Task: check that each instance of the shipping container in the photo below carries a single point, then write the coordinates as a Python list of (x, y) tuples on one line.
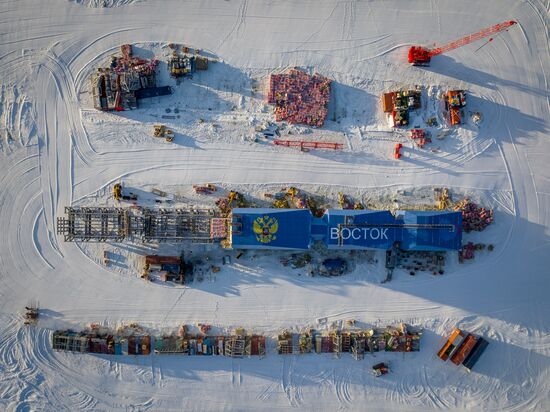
[(452, 344), (476, 352), (464, 350)]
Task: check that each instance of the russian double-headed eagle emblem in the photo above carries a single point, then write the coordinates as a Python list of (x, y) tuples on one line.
[(265, 228)]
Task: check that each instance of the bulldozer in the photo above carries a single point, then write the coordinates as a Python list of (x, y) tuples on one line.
[(117, 191), (161, 131)]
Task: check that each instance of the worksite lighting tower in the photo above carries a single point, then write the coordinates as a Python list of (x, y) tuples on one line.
[(420, 56)]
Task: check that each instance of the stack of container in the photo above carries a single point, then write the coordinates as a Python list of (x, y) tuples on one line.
[(299, 97)]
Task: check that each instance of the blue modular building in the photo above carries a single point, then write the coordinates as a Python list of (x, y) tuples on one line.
[(296, 229)]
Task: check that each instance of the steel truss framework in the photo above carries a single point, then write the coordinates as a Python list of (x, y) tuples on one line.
[(115, 224)]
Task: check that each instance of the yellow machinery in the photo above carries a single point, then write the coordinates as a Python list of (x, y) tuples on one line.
[(232, 196), (161, 131), (179, 66), (280, 203), (292, 192), (117, 191), (443, 199), (345, 201)]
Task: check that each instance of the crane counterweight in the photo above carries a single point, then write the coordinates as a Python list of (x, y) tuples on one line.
[(421, 56)]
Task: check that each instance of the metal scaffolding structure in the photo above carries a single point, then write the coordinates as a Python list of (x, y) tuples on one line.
[(176, 225), (114, 224)]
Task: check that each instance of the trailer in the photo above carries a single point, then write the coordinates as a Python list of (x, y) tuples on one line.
[(464, 349), (475, 354), (452, 344)]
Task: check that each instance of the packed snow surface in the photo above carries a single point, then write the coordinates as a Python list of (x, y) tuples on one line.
[(56, 150)]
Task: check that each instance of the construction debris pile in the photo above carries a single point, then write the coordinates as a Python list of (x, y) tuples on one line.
[(474, 217), (127, 79), (96, 339), (299, 97), (356, 342)]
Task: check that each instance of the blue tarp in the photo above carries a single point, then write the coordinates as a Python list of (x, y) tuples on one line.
[(346, 229)]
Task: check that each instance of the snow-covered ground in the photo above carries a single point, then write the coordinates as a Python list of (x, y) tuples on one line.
[(55, 150)]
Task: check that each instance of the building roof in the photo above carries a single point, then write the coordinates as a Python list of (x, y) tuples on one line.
[(271, 228), (363, 229), (346, 229)]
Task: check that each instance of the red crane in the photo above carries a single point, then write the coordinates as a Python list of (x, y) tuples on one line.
[(420, 56)]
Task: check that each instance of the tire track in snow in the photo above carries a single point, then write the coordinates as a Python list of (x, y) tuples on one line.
[(341, 389), (292, 393), (239, 23), (321, 27)]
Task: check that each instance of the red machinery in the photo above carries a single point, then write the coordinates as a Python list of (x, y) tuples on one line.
[(397, 150), (420, 56), (421, 137), (456, 100), (309, 145)]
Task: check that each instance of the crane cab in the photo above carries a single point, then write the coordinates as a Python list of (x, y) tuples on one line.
[(419, 56)]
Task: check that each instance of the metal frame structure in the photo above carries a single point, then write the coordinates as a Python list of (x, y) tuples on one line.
[(114, 224), (177, 225), (96, 224)]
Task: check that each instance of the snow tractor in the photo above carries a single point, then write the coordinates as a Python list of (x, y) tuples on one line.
[(380, 369)]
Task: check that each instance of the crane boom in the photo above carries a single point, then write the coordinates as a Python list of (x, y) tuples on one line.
[(419, 55), (472, 37)]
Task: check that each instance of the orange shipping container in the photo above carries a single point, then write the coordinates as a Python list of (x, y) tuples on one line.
[(387, 102), (464, 349)]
